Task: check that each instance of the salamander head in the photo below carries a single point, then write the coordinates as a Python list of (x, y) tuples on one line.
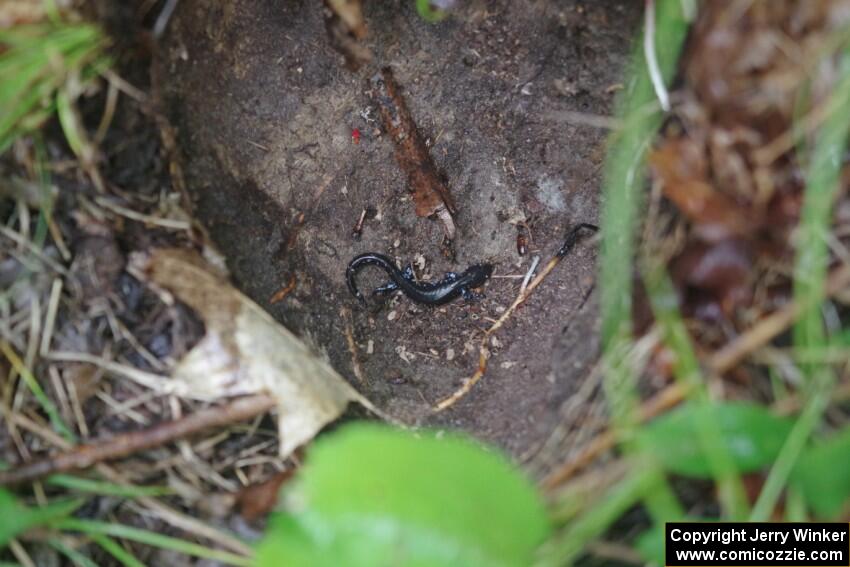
[(478, 274)]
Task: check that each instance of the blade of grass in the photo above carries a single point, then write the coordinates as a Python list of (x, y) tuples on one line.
[(90, 527), (823, 184), (72, 554), (46, 404), (104, 488), (795, 507), (625, 171), (686, 369), (565, 548), (623, 183), (46, 200), (18, 518), (111, 547), (39, 61), (69, 120)]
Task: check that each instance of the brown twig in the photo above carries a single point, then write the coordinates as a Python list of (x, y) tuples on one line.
[(345, 313), (84, 456), (164, 512), (771, 326), (281, 294), (605, 441), (525, 292), (430, 194), (168, 137)]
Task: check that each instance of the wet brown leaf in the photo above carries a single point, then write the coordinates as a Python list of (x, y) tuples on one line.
[(680, 166), (258, 500), (719, 273)]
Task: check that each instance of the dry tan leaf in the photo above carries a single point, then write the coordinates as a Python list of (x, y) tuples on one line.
[(346, 29), (245, 351), (351, 13), (20, 12)]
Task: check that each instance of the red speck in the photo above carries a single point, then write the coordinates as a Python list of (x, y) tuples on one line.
[(355, 135)]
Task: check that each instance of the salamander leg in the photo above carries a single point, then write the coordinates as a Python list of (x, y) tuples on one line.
[(470, 295), (407, 273), (385, 289)]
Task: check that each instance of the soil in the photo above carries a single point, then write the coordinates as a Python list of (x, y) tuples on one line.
[(265, 110)]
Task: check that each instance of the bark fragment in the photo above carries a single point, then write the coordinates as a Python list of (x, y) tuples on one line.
[(430, 194)]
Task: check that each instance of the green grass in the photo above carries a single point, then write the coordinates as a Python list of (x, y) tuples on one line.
[(592, 524), (57, 516), (623, 191), (44, 69), (103, 488), (94, 528), (686, 370), (41, 72), (38, 393), (623, 187), (120, 554), (42, 65), (76, 557), (823, 183)]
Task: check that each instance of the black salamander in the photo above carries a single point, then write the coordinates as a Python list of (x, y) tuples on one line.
[(451, 286)]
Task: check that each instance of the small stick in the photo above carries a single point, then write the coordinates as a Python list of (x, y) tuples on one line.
[(281, 294), (50, 318), (345, 313), (33, 249), (430, 194), (530, 273), (155, 382), (605, 441), (358, 228), (122, 445), (483, 352), (164, 512), (175, 224), (771, 326)]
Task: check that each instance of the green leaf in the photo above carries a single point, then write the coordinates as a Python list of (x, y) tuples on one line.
[(18, 518), (749, 433), (650, 545), (39, 61), (822, 475), (428, 12), (374, 496)]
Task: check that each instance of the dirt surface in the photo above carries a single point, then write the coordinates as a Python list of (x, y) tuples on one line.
[(265, 111)]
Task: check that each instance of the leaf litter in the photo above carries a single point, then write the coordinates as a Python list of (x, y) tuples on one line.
[(244, 351)]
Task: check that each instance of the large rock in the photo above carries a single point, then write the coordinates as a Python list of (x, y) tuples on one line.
[(265, 110)]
